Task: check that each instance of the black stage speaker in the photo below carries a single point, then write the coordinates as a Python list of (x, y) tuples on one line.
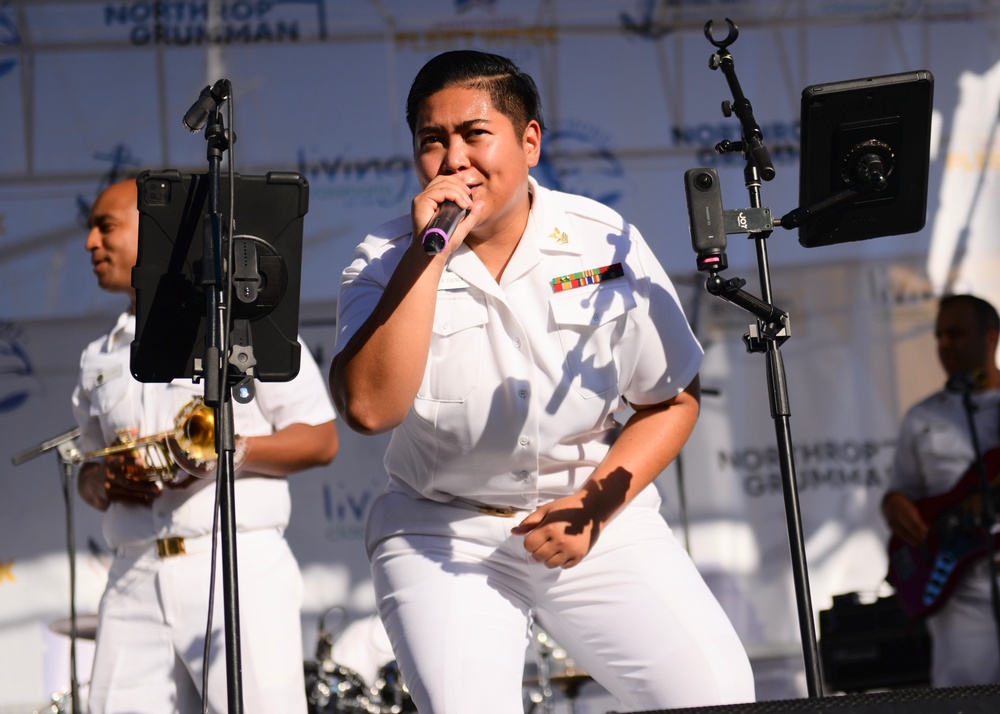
[(947, 700), (872, 645)]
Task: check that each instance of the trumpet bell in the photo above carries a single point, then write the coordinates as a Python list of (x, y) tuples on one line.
[(194, 430), (192, 445)]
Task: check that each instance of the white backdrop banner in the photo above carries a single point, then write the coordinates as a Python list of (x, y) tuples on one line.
[(92, 90), (965, 251)]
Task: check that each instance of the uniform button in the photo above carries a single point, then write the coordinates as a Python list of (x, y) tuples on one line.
[(526, 497), (522, 393), (523, 476), (517, 343), (595, 319), (524, 441)]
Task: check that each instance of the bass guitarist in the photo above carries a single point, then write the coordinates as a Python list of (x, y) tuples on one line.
[(936, 462)]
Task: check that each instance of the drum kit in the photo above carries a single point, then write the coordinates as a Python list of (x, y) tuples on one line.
[(552, 669), (334, 689)]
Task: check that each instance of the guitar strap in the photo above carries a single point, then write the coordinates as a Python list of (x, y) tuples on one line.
[(996, 407), (992, 405)]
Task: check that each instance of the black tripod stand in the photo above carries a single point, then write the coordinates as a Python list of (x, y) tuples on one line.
[(218, 291), (863, 174), (215, 369), (709, 225), (199, 302)]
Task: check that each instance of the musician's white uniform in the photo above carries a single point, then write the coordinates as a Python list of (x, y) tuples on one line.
[(153, 614), (934, 451)]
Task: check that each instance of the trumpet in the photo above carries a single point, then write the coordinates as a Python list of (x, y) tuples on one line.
[(190, 444)]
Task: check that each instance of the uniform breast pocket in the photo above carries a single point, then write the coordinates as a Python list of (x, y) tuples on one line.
[(590, 322), (457, 349), (108, 386)]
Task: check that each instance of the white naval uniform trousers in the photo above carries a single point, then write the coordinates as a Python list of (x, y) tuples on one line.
[(152, 622), (635, 614)]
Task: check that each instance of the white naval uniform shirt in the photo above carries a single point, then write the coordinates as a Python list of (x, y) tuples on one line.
[(935, 446), (517, 400), (108, 398)]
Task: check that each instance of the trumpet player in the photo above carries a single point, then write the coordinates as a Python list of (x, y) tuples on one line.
[(158, 521)]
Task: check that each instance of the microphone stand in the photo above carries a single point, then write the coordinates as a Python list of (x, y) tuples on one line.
[(214, 370), (772, 329), (988, 508), (64, 445)]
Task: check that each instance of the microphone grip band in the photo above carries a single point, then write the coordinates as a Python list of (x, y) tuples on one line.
[(441, 228), (434, 241)]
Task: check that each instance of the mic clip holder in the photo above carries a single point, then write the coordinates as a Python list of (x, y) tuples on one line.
[(219, 137)]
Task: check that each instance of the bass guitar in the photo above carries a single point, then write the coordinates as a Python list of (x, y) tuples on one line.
[(925, 575)]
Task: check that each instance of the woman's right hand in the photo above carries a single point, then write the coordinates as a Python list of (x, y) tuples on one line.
[(425, 204)]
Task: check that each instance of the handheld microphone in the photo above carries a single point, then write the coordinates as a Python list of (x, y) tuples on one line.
[(442, 226)]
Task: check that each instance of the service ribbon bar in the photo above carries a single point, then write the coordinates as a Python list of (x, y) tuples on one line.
[(587, 277)]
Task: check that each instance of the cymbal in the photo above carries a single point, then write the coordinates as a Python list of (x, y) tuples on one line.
[(563, 678), (86, 627)]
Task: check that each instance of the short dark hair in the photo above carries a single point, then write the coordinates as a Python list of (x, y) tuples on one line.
[(986, 315), (512, 92)]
